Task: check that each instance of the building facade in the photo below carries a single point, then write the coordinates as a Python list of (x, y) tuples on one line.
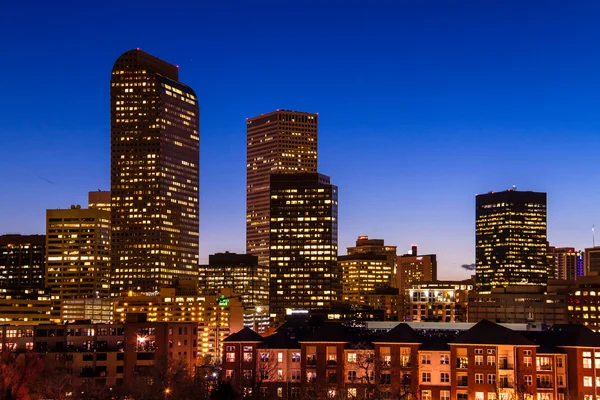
[(511, 240), (99, 200), (154, 174), (440, 301), (592, 260), (540, 307), (103, 358), (413, 268), (278, 142), (241, 273), (215, 316), (78, 255), (485, 362), (368, 266), (304, 243), (22, 265), (564, 262)]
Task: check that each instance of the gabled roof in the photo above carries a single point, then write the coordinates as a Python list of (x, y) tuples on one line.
[(566, 335), (402, 333), (245, 335), (279, 341), (486, 332), (435, 343), (330, 332)]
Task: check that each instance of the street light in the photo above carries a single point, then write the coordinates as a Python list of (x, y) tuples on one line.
[(167, 391)]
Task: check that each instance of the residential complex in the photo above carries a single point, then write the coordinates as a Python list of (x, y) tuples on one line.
[(104, 357), (487, 361), (154, 176)]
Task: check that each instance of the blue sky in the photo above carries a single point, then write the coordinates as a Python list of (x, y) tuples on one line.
[(422, 105)]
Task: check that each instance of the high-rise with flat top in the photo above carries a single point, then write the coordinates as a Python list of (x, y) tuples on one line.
[(510, 241), (78, 255), (278, 142), (154, 174), (303, 265)]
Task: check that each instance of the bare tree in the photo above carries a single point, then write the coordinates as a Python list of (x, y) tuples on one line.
[(18, 373), (169, 379), (53, 384), (266, 372)]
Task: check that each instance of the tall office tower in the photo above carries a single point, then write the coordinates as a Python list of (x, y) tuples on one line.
[(154, 174), (241, 273), (368, 266), (563, 263), (510, 238), (99, 200), (592, 260), (279, 142), (304, 240), (77, 254), (22, 265)]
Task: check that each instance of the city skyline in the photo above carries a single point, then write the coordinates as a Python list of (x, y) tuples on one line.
[(482, 106)]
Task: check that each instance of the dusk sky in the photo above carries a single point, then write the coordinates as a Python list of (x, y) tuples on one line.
[(421, 104)]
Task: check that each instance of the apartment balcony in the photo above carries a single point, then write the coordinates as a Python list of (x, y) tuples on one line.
[(331, 363), (311, 360), (544, 367), (505, 385), (462, 382), (505, 365), (544, 385)]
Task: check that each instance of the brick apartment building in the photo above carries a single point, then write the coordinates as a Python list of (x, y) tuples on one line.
[(105, 356), (485, 362)]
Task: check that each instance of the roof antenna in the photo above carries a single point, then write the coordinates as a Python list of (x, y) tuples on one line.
[(593, 236)]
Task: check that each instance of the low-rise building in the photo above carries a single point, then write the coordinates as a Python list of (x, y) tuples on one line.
[(441, 301), (486, 361), (216, 316), (104, 356)]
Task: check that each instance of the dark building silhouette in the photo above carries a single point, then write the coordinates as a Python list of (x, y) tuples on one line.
[(154, 174), (511, 246), (22, 265), (278, 142), (304, 243)]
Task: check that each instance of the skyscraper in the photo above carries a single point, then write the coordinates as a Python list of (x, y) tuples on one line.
[(303, 256), (510, 241), (78, 255), (154, 174), (278, 142)]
